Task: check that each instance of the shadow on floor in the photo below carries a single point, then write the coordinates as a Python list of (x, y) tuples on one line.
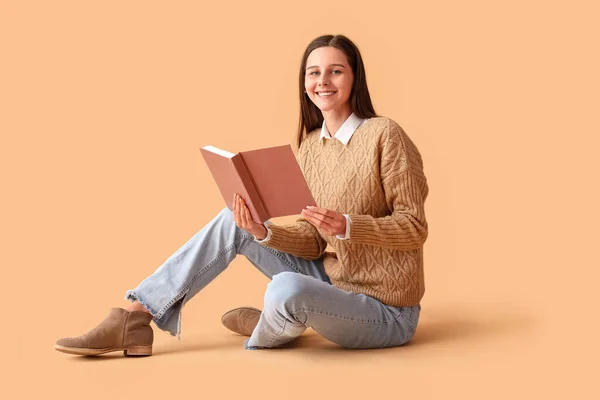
[(439, 326)]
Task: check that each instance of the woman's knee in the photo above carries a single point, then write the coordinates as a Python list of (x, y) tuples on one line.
[(226, 213), (289, 289), (227, 218)]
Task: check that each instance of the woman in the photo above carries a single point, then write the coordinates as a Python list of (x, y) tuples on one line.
[(367, 177)]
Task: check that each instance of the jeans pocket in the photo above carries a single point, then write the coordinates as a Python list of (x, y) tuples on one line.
[(409, 318)]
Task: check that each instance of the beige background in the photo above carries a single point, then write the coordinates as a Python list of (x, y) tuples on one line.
[(103, 106)]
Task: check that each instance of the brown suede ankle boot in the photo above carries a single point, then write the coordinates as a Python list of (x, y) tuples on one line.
[(122, 330), (241, 320)]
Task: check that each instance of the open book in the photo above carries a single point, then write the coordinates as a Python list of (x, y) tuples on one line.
[(269, 180)]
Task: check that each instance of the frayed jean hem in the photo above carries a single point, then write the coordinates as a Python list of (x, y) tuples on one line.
[(132, 296)]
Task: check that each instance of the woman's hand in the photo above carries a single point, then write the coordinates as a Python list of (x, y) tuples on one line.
[(329, 222), (243, 219)]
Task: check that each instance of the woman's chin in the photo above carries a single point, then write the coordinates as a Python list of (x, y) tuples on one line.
[(325, 107)]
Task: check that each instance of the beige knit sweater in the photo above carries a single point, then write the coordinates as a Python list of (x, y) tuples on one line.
[(378, 179)]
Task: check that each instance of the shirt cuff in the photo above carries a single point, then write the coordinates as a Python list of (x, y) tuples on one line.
[(269, 233), (348, 224)]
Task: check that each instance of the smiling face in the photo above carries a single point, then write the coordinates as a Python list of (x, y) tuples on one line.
[(328, 79)]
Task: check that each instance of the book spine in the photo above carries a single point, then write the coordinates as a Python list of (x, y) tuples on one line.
[(248, 182)]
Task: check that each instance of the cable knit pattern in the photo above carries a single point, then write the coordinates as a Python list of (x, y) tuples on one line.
[(378, 180)]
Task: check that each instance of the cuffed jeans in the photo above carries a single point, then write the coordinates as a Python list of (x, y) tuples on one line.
[(300, 294)]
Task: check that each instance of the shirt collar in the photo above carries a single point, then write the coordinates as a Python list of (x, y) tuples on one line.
[(346, 130)]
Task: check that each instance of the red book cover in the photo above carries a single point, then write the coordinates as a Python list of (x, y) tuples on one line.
[(269, 180)]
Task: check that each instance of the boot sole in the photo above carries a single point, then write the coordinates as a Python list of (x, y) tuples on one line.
[(127, 351)]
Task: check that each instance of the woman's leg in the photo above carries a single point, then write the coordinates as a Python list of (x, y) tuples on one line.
[(294, 302), (162, 295), (203, 258)]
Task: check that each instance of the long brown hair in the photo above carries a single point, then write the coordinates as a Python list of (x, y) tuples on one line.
[(311, 117)]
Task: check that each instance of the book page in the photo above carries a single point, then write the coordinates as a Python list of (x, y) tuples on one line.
[(219, 151)]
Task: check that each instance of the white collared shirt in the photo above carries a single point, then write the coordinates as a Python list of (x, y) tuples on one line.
[(343, 134), (346, 130)]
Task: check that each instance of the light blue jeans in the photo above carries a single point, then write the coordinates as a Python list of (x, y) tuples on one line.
[(300, 294)]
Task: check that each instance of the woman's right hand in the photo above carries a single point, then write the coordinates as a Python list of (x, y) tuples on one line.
[(243, 218)]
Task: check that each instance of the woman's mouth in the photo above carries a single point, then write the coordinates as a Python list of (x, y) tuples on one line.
[(325, 94)]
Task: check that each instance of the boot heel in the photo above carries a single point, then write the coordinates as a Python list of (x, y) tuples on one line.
[(138, 351)]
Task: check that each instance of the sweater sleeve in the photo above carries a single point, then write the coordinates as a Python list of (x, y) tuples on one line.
[(405, 188), (300, 239)]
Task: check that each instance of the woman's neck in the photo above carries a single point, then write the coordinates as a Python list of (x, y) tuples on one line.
[(334, 119)]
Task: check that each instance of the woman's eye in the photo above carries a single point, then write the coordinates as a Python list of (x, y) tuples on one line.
[(335, 71)]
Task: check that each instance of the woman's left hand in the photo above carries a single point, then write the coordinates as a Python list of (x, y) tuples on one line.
[(329, 222)]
